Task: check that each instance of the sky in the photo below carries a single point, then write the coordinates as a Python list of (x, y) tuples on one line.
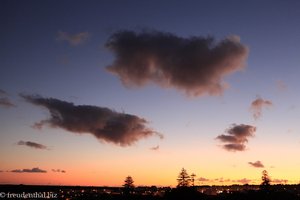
[(94, 91)]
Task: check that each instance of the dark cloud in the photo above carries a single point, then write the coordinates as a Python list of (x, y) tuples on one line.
[(73, 39), (105, 124), (237, 136), (257, 105), (32, 144), (33, 170), (257, 164), (235, 147), (58, 170), (194, 65)]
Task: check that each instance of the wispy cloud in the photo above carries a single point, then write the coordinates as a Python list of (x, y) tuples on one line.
[(155, 148), (257, 164), (225, 180), (103, 123), (33, 170), (236, 136), (194, 65), (243, 181), (202, 179), (2, 92), (281, 85), (58, 170), (279, 181), (32, 144), (222, 180), (257, 106), (73, 39), (4, 100), (64, 60)]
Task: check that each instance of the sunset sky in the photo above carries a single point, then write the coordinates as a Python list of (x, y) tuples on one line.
[(94, 91)]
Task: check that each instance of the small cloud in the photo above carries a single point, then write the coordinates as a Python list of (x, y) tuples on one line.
[(4, 100), (103, 123), (39, 125), (222, 180), (155, 148), (195, 65), (64, 60), (58, 170), (279, 181), (161, 136), (202, 179), (236, 137), (257, 106), (33, 170), (2, 92), (243, 181), (234, 147), (32, 144), (73, 39), (289, 131), (257, 164), (281, 86)]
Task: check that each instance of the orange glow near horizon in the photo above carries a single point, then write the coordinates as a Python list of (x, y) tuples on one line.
[(147, 167), (82, 178)]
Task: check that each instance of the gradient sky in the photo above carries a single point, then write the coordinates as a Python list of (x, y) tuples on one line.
[(57, 50)]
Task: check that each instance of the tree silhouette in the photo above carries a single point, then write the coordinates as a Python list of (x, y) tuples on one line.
[(183, 179), (193, 179), (128, 185), (265, 184)]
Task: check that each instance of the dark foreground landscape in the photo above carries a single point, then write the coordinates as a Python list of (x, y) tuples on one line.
[(234, 192)]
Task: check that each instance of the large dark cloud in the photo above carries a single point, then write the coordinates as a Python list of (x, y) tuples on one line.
[(32, 144), (257, 164), (236, 137), (105, 124), (257, 106), (33, 170), (194, 65)]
